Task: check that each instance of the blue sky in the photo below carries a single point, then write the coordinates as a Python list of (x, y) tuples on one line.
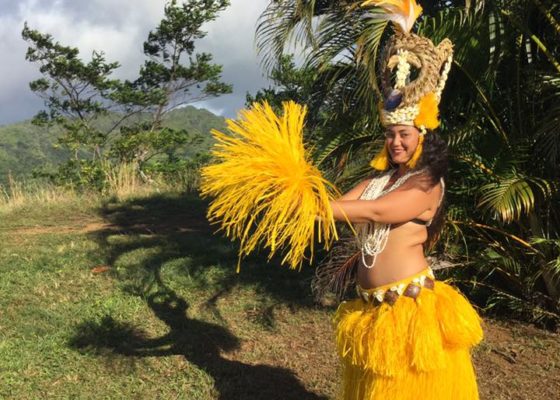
[(119, 28)]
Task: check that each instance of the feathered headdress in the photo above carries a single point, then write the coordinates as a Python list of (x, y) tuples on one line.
[(413, 74)]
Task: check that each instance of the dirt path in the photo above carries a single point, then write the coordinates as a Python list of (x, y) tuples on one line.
[(81, 227)]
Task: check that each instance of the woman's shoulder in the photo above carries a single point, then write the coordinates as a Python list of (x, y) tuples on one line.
[(423, 182)]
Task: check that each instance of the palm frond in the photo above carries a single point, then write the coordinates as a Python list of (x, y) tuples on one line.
[(288, 22), (336, 273), (551, 248), (278, 26), (336, 143), (547, 135), (513, 196), (517, 21), (547, 12)]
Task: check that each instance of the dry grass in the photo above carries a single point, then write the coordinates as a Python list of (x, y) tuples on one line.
[(123, 182), (17, 194)]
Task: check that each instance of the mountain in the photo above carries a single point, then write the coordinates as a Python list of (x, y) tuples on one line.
[(25, 147)]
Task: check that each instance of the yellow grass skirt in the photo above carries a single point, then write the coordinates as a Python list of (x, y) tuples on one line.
[(415, 349)]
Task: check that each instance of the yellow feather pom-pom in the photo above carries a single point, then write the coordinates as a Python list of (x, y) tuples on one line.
[(428, 112), (265, 190)]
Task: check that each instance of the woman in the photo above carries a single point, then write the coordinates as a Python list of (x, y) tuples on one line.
[(407, 336)]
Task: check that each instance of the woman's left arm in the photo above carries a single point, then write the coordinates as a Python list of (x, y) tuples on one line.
[(395, 207)]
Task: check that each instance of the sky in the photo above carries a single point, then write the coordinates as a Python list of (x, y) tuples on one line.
[(119, 28)]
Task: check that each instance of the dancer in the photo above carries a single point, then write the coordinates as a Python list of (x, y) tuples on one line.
[(406, 336)]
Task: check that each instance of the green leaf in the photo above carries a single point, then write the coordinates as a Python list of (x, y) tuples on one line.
[(512, 196)]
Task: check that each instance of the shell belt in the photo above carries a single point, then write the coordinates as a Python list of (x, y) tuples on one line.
[(391, 294)]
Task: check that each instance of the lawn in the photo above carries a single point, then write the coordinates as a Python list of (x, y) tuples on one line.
[(138, 299)]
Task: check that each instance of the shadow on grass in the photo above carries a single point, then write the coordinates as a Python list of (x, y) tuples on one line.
[(200, 343), (172, 229)]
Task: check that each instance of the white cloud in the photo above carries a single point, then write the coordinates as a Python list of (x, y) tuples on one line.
[(119, 31)]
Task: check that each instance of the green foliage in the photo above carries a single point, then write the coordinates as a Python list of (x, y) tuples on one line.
[(139, 143), (80, 95), (81, 174), (508, 199), (27, 150), (290, 83), (173, 40), (25, 147)]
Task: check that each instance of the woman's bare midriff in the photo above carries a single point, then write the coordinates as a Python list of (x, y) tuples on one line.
[(402, 257)]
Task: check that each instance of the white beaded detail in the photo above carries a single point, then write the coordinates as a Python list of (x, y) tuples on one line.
[(403, 69), (407, 115), (399, 288), (401, 116), (431, 273), (444, 75), (379, 294)]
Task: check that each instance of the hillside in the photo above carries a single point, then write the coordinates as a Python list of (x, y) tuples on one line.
[(25, 147)]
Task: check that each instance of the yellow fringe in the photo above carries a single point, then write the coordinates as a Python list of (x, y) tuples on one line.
[(417, 152), (381, 160), (265, 190), (413, 349), (459, 322)]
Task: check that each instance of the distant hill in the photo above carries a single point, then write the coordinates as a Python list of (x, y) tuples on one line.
[(25, 147)]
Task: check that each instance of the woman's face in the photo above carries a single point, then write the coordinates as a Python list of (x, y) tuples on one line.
[(401, 141)]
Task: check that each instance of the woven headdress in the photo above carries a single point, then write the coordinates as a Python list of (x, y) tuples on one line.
[(413, 73)]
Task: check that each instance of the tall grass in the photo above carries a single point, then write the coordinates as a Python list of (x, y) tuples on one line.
[(122, 182), (125, 180), (20, 193)]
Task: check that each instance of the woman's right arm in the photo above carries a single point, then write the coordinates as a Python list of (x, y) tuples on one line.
[(356, 191)]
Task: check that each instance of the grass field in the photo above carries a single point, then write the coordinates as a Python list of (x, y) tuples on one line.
[(137, 299)]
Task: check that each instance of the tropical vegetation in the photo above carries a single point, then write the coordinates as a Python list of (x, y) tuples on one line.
[(28, 150)]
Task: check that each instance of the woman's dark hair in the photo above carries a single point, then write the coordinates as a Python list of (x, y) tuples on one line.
[(434, 157), (434, 160)]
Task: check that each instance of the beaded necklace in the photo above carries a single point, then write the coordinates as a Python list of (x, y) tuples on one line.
[(372, 237)]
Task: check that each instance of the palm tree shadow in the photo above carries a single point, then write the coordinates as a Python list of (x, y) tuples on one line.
[(201, 343), (170, 229), (175, 228)]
